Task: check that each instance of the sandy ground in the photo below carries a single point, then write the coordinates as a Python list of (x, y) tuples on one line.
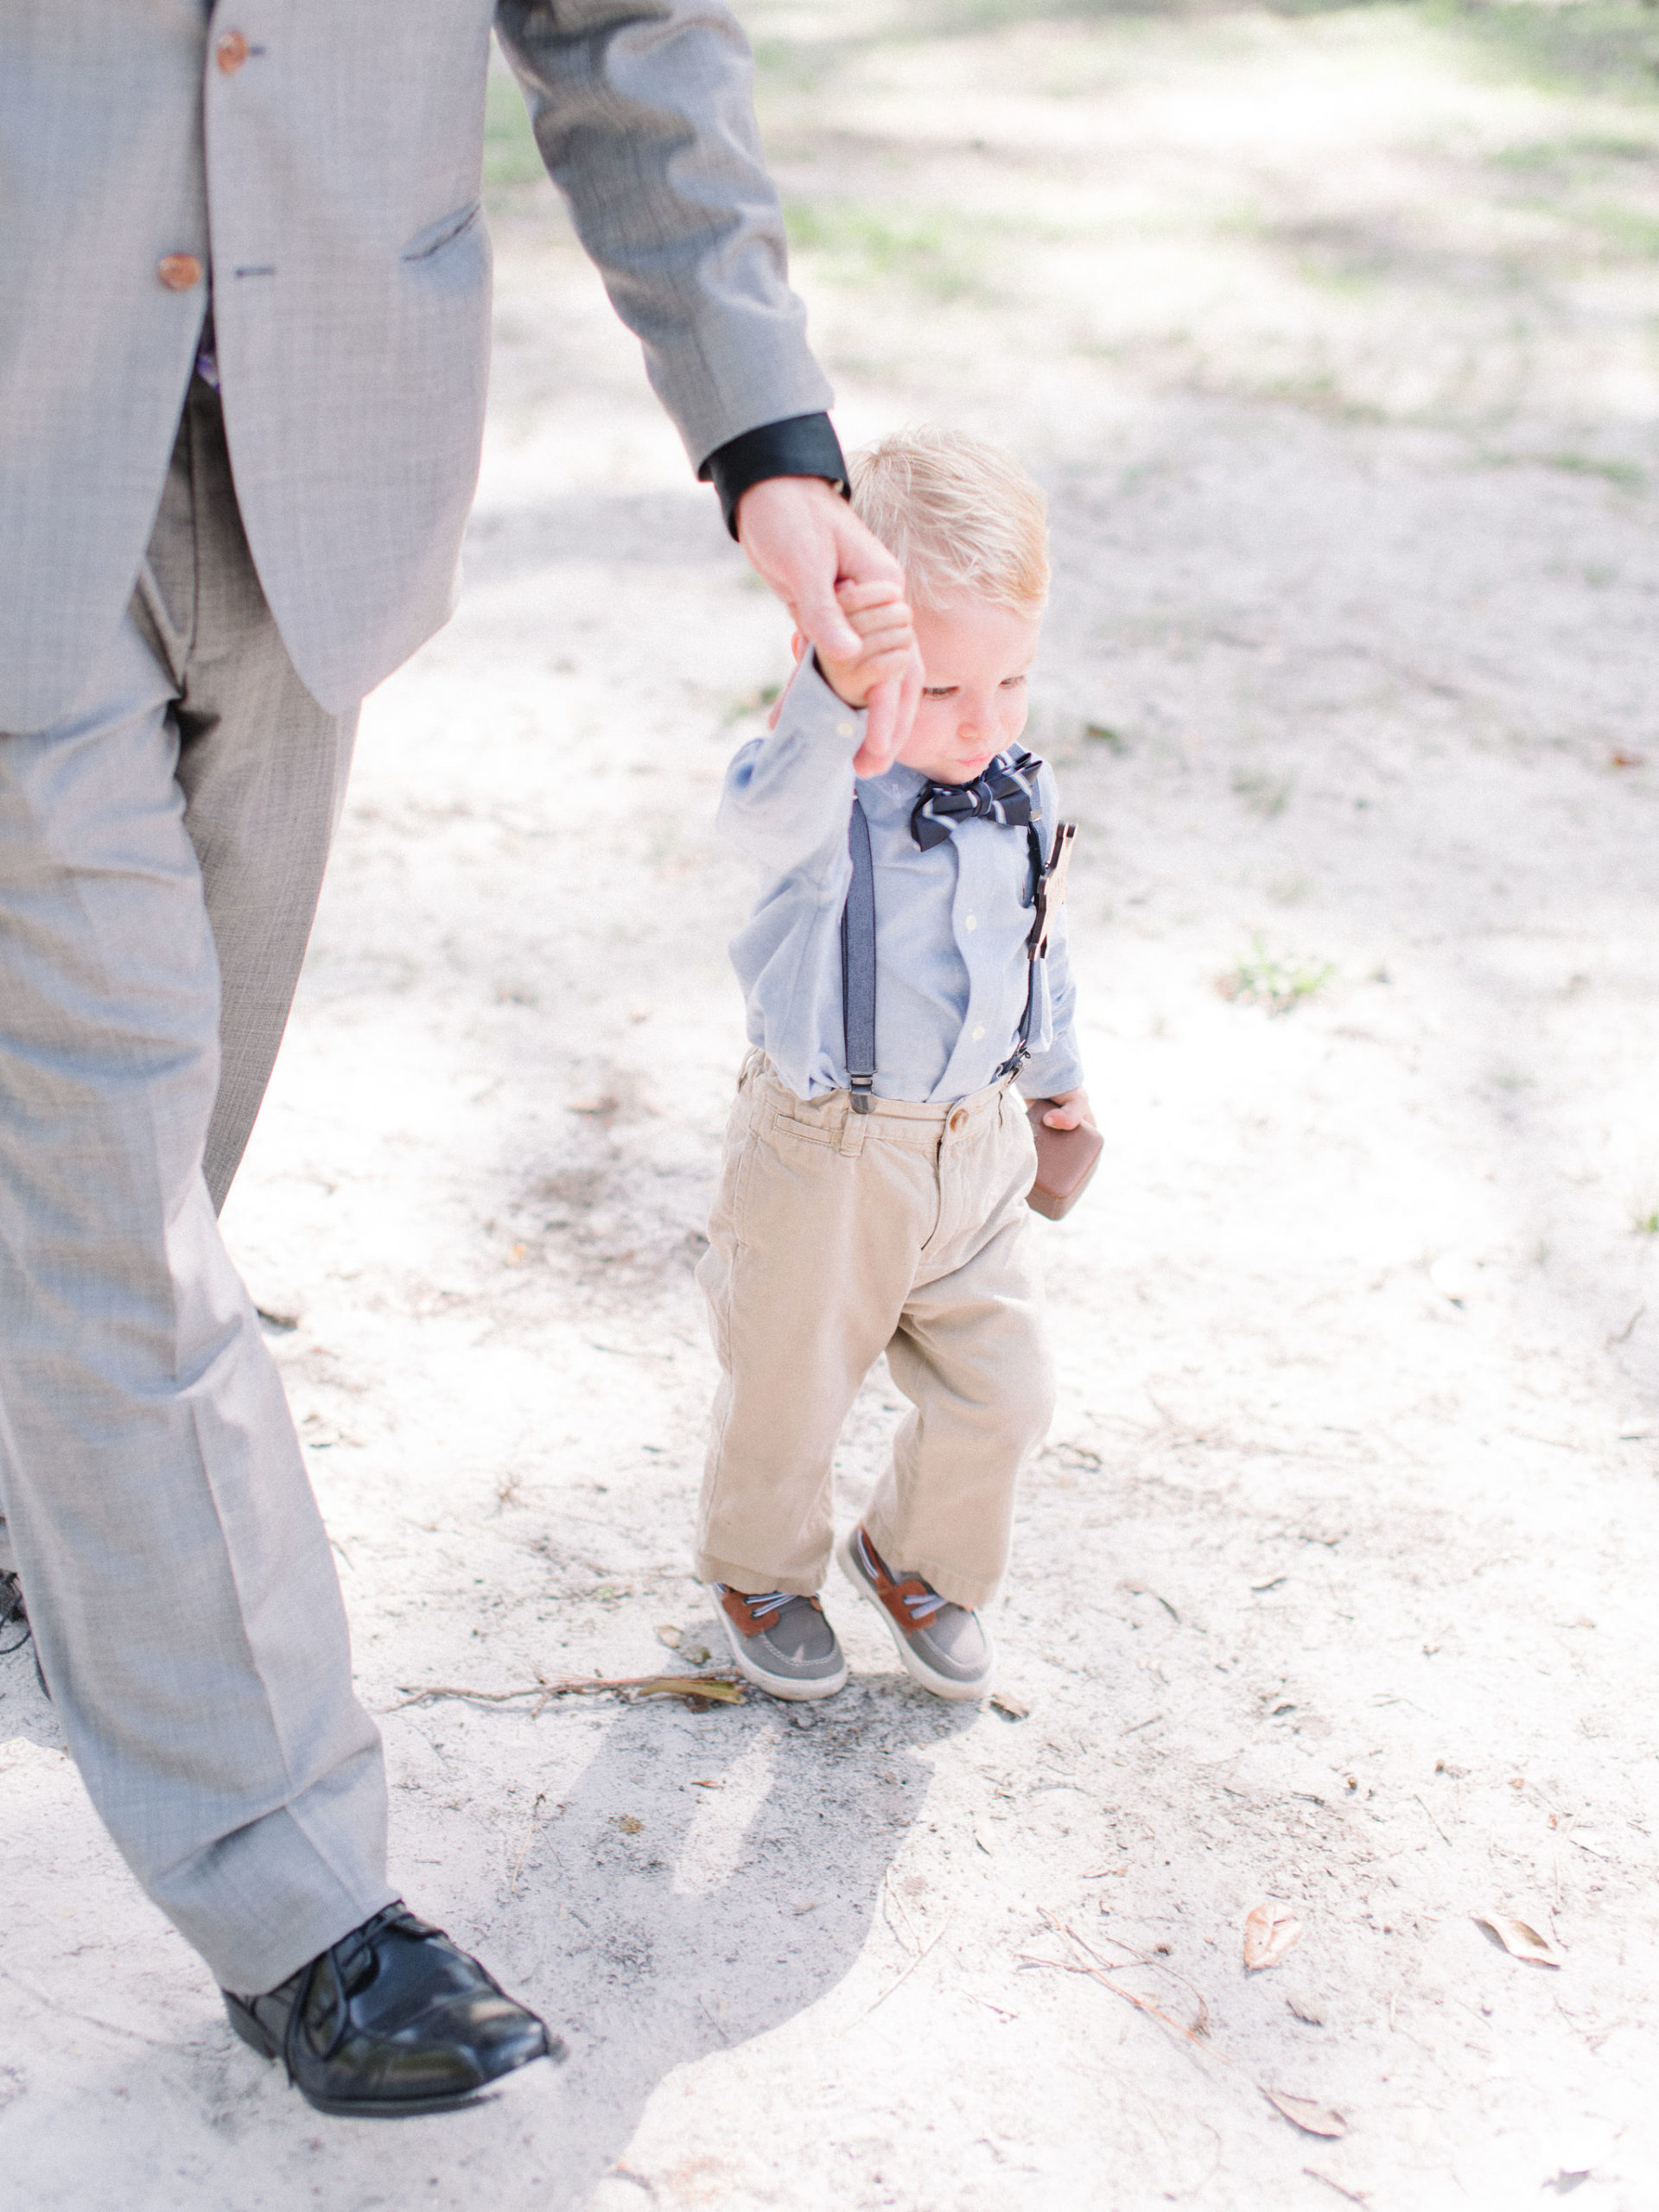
[(1332, 336)]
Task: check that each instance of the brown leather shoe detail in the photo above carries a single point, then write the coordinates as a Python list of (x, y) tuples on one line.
[(893, 1594), (735, 1605)]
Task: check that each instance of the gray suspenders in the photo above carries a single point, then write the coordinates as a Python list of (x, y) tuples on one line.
[(858, 965), (858, 950)]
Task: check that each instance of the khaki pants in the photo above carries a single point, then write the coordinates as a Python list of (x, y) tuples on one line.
[(836, 1237)]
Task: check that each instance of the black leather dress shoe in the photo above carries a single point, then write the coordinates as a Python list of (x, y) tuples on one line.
[(14, 1621), (390, 2022), (14, 1625)]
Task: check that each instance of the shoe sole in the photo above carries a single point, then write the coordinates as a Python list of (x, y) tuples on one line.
[(916, 1667), (777, 1685), (254, 2035)]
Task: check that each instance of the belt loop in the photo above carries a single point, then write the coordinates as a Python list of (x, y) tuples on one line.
[(849, 1138)]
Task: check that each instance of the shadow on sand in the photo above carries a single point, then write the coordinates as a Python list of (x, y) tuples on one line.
[(709, 1878)]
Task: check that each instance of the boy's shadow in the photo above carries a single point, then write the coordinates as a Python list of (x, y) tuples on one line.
[(710, 1877)]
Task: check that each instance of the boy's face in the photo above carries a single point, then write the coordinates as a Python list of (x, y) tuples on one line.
[(977, 655)]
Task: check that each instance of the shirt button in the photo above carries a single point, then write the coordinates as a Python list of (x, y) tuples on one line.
[(972, 922), (231, 53), (843, 729), (979, 1033), (179, 271)]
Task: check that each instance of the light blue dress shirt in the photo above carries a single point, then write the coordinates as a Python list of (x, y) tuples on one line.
[(950, 923)]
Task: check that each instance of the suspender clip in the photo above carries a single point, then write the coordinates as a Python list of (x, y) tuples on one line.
[(1050, 890)]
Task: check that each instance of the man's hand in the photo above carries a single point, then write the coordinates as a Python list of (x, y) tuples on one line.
[(1069, 1111), (804, 540)]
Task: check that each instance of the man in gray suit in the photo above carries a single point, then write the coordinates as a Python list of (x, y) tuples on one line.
[(242, 375)]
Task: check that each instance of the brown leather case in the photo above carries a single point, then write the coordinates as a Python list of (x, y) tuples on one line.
[(1065, 1160)]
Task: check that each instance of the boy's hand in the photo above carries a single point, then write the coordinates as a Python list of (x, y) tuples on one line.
[(879, 621), (804, 540), (1069, 1111)]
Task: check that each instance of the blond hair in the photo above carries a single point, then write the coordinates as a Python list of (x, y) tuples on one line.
[(961, 516)]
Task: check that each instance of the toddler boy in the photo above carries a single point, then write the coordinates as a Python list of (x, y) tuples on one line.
[(879, 1155)]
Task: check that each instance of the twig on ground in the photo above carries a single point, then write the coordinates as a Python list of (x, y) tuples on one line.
[(909, 1970), (1624, 1336), (1201, 2020), (697, 1690), (1001, 2011), (616, 2171), (1433, 1823), (1300, 2111), (530, 1837), (890, 1897), (1353, 2196), (59, 2010), (1093, 1965), (1146, 1590)]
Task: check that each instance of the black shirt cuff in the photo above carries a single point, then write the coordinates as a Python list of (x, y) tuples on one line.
[(805, 445)]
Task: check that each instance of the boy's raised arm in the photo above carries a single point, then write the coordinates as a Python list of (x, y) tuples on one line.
[(788, 796)]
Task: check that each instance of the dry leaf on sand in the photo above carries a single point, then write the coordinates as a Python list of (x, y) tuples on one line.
[(1011, 1709), (1520, 1938), (1268, 1934), (1303, 2112)]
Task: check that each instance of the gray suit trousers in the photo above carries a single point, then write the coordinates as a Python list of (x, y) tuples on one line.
[(161, 847)]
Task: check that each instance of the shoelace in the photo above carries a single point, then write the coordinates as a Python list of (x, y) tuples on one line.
[(773, 1602), (921, 1607)]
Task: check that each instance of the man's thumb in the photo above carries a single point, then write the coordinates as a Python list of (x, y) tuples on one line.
[(828, 628)]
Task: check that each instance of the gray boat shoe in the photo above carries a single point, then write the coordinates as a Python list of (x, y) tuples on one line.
[(947, 1648), (782, 1644)]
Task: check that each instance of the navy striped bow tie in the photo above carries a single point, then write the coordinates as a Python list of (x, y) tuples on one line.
[(1003, 792)]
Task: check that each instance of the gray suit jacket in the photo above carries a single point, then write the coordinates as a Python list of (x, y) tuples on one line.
[(329, 183)]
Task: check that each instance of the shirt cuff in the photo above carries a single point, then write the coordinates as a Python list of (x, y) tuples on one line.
[(805, 445), (1050, 1073), (812, 706)]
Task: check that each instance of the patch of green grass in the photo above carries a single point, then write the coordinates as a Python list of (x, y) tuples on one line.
[(1265, 795), (800, 65), (934, 253), (752, 703), (1645, 1224), (1103, 733), (511, 155), (1262, 978), (1623, 473), (1541, 157), (1633, 231), (1600, 46), (1624, 476)]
